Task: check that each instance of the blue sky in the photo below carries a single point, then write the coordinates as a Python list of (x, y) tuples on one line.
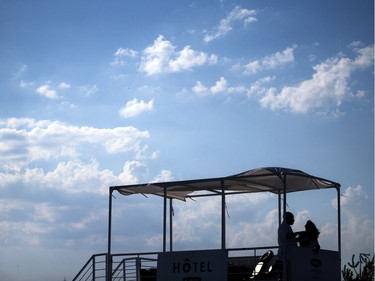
[(101, 93)]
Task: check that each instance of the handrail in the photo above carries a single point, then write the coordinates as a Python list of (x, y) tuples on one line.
[(88, 271), (122, 270)]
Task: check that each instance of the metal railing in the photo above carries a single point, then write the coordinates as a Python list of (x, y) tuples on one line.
[(94, 269), (135, 269), (143, 266)]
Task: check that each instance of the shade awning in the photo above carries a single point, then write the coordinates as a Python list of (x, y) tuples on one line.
[(269, 179)]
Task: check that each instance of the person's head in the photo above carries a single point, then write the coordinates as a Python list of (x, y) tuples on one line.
[(311, 228), (289, 218)]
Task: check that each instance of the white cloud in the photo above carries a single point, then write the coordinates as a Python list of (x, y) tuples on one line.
[(156, 57), (258, 87), (271, 62), (24, 84), (44, 212), (161, 57), (135, 108), (21, 70), (226, 25), (259, 233), (132, 172), (89, 90), (163, 176), (46, 91), (188, 58), (327, 88), (25, 140), (199, 88), (351, 196), (355, 223), (122, 53), (220, 86), (64, 85)]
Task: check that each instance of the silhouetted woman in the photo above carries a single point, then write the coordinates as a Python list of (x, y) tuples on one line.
[(309, 237)]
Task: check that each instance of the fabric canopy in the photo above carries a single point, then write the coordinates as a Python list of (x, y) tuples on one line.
[(269, 179)]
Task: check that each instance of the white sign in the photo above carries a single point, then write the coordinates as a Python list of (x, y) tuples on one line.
[(207, 265)]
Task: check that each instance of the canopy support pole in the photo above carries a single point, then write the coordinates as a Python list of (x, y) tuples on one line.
[(165, 220), (223, 228), (339, 221), (279, 206), (170, 225), (285, 260), (109, 257)]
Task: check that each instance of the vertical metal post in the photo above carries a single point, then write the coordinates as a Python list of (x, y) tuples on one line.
[(93, 268), (223, 227), (138, 268), (109, 256), (165, 220), (170, 225), (124, 269), (285, 266), (339, 221), (279, 205)]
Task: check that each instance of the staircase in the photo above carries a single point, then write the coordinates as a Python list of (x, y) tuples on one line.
[(124, 268)]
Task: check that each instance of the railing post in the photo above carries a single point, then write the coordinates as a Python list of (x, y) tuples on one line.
[(124, 269), (109, 256), (138, 268), (93, 268)]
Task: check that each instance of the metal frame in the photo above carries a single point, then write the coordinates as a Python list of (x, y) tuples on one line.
[(282, 196)]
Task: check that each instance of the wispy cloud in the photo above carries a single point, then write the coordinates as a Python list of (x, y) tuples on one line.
[(238, 14), (162, 57), (221, 86), (23, 68), (135, 108), (271, 62), (89, 90), (121, 54)]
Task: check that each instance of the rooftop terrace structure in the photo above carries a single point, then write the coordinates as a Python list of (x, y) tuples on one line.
[(222, 264)]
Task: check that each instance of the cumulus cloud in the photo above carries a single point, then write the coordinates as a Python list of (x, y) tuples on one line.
[(24, 140), (162, 57), (327, 88), (351, 196), (132, 172), (163, 176), (220, 86), (271, 62), (199, 88), (355, 223), (238, 14), (134, 108)]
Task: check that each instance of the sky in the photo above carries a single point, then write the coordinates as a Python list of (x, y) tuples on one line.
[(101, 93)]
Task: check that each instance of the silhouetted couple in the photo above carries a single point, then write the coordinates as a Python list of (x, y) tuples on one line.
[(307, 238)]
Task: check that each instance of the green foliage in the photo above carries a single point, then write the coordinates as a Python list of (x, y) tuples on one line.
[(361, 270)]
